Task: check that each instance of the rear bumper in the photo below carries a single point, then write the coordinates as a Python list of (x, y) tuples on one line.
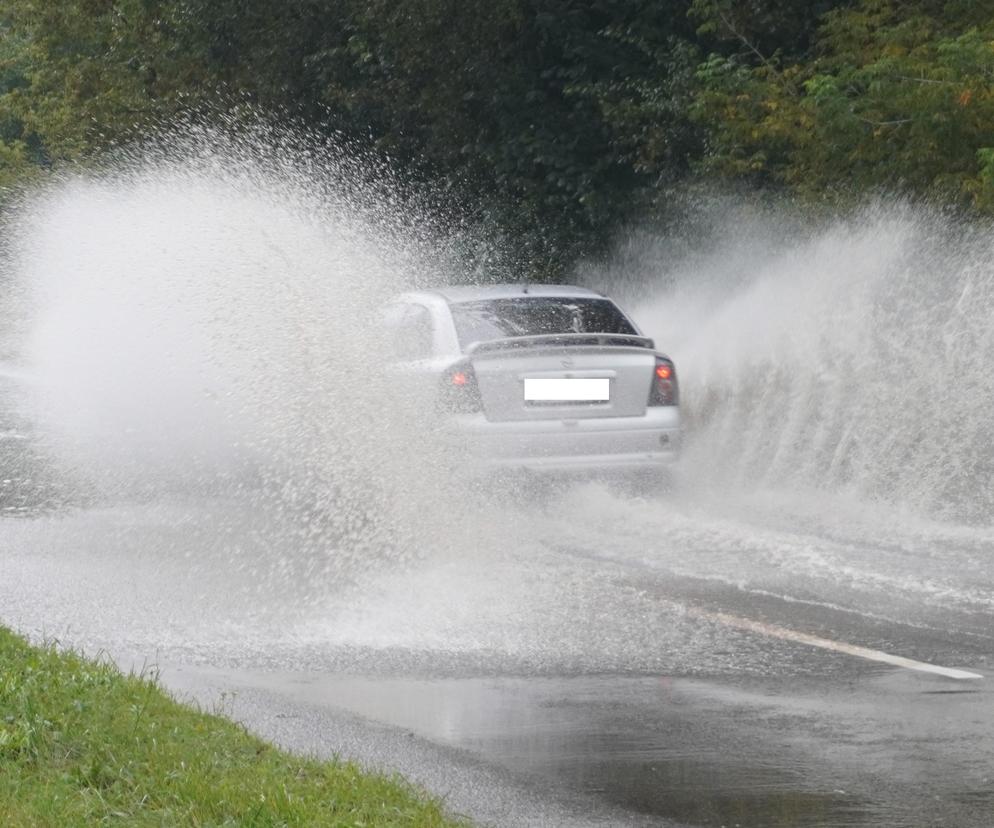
[(582, 446)]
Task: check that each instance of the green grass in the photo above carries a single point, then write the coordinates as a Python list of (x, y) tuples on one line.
[(83, 744)]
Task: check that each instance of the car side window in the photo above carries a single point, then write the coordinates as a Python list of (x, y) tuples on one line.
[(412, 334)]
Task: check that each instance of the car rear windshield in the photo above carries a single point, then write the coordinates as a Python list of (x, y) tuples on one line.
[(491, 319)]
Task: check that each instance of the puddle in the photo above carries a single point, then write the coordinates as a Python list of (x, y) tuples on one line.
[(635, 742)]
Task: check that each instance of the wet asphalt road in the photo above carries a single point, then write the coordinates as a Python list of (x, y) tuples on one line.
[(579, 672)]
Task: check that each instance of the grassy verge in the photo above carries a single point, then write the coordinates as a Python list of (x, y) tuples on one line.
[(83, 744)]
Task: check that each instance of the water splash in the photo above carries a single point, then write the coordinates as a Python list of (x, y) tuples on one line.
[(201, 318), (852, 358)]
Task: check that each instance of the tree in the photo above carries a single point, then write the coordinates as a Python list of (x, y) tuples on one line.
[(547, 122), (896, 96), (544, 120), (95, 71)]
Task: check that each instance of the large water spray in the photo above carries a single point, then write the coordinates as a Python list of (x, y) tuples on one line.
[(852, 358), (198, 323), (202, 318)]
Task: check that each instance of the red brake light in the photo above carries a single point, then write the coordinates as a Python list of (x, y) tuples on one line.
[(460, 393), (664, 390)]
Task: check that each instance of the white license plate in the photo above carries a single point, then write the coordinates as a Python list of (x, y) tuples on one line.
[(567, 389)]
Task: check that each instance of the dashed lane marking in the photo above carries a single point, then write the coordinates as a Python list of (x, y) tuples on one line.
[(785, 634)]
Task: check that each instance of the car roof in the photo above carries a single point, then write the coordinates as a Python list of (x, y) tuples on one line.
[(455, 294)]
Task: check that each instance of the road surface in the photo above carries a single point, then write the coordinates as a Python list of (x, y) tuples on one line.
[(594, 658)]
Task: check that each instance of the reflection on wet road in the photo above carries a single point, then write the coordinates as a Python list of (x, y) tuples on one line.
[(869, 747), (582, 659)]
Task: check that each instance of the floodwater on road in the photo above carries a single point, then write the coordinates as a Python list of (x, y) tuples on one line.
[(202, 468), (576, 644), (859, 749)]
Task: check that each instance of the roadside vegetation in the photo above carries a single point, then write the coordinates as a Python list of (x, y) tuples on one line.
[(550, 123), (82, 744)]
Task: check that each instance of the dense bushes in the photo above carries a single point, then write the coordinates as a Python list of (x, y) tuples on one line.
[(550, 123)]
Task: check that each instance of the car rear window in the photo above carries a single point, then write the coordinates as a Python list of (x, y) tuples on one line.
[(491, 319)]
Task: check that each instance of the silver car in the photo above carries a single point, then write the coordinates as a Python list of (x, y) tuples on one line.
[(538, 378)]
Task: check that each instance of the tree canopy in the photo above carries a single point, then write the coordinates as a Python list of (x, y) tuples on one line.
[(552, 122)]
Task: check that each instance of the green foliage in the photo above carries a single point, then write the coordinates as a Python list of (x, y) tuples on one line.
[(897, 96), (543, 120), (761, 29), (92, 71), (547, 123), (81, 744)]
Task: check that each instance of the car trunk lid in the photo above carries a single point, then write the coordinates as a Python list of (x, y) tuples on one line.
[(563, 376)]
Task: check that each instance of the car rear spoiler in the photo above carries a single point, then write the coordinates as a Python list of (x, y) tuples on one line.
[(561, 339)]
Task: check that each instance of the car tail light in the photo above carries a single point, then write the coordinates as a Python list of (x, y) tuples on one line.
[(664, 389), (460, 393)]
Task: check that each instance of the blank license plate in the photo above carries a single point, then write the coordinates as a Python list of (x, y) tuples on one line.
[(567, 389)]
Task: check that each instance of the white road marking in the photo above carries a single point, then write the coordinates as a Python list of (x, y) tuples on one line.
[(827, 644)]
